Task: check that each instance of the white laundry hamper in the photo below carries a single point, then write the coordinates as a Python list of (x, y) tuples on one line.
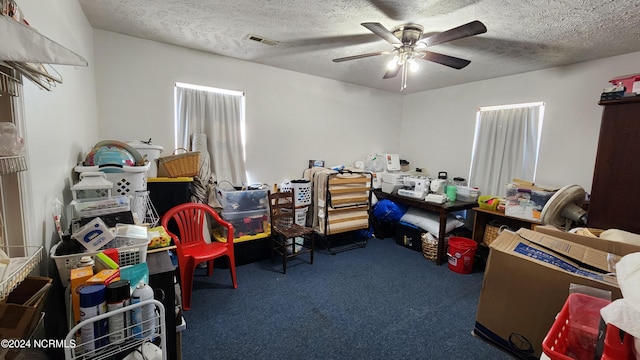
[(151, 153), (126, 179), (302, 192), (302, 200), (300, 218)]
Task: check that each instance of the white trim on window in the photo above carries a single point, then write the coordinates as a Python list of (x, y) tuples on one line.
[(510, 106), (211, 89)]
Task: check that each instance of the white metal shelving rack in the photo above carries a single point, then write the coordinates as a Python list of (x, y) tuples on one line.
[(74, 349), (26, 257)]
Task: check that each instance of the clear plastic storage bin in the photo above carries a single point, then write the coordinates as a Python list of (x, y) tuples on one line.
[(466, 193), (245, 200), (247, 222)]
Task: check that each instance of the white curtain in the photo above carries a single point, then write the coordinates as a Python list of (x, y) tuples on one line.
[(219, 117), (505, 147)]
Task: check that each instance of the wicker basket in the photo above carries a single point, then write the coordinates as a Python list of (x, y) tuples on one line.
[(429, 247), (491, 232), (179, 165)]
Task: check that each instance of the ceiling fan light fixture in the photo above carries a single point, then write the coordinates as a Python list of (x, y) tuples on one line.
[(393, 63), (410, 43), (413, 65)]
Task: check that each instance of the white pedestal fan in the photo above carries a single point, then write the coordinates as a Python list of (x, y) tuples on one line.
[(564, 207)]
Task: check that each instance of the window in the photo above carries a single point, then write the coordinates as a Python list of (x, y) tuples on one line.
[(505, 146), (212, 121)]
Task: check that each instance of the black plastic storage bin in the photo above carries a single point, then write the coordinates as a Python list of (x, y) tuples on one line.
[(166, 193), (409, 236)]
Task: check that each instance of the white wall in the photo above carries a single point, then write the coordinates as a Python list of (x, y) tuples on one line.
[(131, 94), (438, 126), (291, 117), (62, 122)]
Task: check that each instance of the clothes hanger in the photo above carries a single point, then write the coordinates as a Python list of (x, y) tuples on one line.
[(37, 73), (8, 84)]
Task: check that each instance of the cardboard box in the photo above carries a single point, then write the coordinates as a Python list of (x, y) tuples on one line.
[(526, 284), (523, 184), (104, 277), (581, 253), (613, 247), (20, 312)]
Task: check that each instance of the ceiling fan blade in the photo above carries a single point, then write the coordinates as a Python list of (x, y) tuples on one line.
[(447, 60), (390, 10), (391, 73), (329, 42), (382, 31), (354, 57), (462, 31)]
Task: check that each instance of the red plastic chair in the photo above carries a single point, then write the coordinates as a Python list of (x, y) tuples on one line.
[(192, 249)]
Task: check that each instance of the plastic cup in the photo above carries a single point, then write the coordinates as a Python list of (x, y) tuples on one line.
[(451, 192)]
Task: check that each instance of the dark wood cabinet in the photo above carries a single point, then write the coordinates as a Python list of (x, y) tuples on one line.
[(617, 167)]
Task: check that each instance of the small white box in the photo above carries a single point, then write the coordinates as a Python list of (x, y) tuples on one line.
[(94, 235), (393, 162)]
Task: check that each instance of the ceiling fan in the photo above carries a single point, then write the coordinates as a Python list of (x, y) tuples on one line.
[(410, 44)]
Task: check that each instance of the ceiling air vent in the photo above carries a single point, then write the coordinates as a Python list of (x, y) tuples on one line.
[(262, 39)]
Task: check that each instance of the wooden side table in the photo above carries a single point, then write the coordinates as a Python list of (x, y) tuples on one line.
[(484, 216)]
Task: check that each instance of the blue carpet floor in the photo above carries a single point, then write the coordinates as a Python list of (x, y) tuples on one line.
[(383, 301)]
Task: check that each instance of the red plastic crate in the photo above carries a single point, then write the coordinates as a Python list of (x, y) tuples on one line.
[(618, 345), (626, 80), (575, 337)]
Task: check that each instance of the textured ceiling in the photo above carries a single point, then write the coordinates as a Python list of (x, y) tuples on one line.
[(522, 35)]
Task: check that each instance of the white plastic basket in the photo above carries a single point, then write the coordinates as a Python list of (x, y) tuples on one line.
[(301, 216), (100, 206), (126, 179), (92, 185), (286, 186), (302, 191), (131, 251)]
